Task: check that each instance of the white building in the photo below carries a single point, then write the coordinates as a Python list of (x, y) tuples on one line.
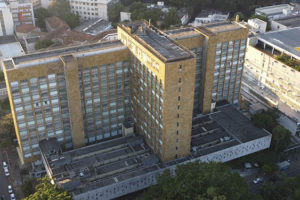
[(207, 16), (257, 25), (6, 20), (286, 23), (45, 3), (22, 12), (88, 9), (125, 16), (277, 11)]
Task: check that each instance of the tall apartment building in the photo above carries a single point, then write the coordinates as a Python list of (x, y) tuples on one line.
[(83, 95), (271, 80), (6, 20), (22, 12)]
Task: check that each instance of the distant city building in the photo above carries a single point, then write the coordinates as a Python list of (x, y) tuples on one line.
[(278, 11), (257, 25), (125, 16), (22, 12), (286, 23), (91, 10), (273, 82), (209, 16), (6, 20), (183, 16), (85, 94)]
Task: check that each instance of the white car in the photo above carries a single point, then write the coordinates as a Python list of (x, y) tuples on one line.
[(257, 180), (6, 171), (10, 189), (12, 196), (4, 164)]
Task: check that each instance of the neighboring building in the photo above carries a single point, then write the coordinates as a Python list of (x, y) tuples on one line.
[(6, 20), (91, 10), (271, 81), (114, 168), (25, 30), (183, 16), (94, 26), (209, 16), (285, 23), (158, 93), (10, 47), (125, 16), (257, 25), (277, 11), (46, 3), (22, 12), (30, 43)]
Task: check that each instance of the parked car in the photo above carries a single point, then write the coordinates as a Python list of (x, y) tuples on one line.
[(4, 164), (257, 180), (6, 172), (10, 189), (12, 196)]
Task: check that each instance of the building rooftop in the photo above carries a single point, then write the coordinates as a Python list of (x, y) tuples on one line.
[(10, 47), (286, 40), (157, 42), (290, 22), (94, 26), (25, 28), (222, 129), (272, 10), (30, 59), (223, 26), (126, 158)]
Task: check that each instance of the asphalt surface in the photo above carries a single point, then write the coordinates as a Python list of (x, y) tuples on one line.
[(4, 180)]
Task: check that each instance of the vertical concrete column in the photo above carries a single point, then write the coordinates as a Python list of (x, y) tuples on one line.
[(73, 92)]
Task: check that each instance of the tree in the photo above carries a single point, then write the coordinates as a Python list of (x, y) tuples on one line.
[(28, 187), (45, 191), (199, 181), (41, 14), (2, 76), (59, 8), (114, 12), (43, 44), (287, 188), (7, 125), (269, 168), (138, 10), (264, 120), (281, 138), (72, 19), (172, 18)]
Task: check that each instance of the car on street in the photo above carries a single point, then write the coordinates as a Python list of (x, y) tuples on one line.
[(4, 164), (10, 189), (257, 180), (6, 171), (12, 196)]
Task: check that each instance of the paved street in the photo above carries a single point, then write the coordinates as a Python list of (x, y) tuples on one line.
[(3, 179), (15, 178)]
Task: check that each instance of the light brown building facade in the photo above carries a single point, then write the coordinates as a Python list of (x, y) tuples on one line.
[(83, 95)]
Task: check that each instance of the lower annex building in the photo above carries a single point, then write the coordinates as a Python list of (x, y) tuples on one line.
[(149, 79)]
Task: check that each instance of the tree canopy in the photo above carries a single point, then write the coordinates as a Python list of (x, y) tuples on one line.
[(46, 191), (43, 44), (199, 181), (281, 138), (41, 14), (286, 188)]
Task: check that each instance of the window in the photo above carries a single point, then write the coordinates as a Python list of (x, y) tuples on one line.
[(180, 68), (176, 148), (177, 115), (179, 80), (177, 132), (178, 98), (177, 123), (179, 89), (178, 107)]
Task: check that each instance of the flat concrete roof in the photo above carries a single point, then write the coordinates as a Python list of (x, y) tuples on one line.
[(10, 47), (64, 51), (287, 40), (290, 22), (158, 41)]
